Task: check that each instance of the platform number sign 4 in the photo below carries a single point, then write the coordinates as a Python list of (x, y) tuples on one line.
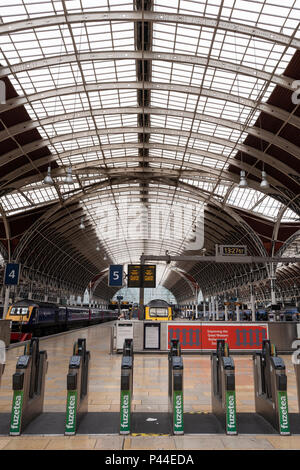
[(115, 277), (12, 272)]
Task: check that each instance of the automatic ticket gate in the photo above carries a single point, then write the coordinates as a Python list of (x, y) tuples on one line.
[(126, 387), (270, 384), (297, 373), (77, 387), (223, 387), (28, 387), (175, 386)]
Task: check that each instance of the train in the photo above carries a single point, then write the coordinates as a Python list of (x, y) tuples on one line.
[(33, 318), (262, 314), (158, 310)]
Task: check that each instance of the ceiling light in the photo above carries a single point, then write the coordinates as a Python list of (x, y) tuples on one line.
[(243, 182), (68, 179), (81, 226), (264, 182), (48, 178)]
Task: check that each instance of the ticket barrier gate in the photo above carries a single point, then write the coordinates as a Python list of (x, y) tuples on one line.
[(175, 387), (126, 387), (28, 387), (297, 373), (270, 385), (223, 387), (77, 387)]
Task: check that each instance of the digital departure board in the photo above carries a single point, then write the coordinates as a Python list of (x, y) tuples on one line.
[(138, 277), (134, 275), (233, 250), (149, 276)]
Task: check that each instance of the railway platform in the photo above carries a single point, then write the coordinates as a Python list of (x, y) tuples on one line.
[(150, 397)]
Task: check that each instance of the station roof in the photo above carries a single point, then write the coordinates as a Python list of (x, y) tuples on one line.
[(156, 106)]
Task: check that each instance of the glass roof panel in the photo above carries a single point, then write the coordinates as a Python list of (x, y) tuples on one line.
[(88, 105)]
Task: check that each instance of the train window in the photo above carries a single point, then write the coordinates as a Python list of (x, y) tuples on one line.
[(158, 312), (19, 311)]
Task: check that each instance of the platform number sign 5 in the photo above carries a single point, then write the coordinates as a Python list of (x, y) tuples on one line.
[(12, 272), (115, 277)]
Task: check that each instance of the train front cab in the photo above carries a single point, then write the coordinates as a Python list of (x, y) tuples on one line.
[(158, 313), (20, 317)]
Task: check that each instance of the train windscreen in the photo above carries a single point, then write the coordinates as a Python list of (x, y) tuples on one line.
[(19, 311), (158, 312)]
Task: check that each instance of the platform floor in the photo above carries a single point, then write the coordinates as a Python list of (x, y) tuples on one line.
[(150, 394)]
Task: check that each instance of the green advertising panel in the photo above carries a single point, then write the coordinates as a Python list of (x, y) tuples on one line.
[(178, 412), (283, 413), (125, 412), (16, 413), (230, 412), (71, 412)]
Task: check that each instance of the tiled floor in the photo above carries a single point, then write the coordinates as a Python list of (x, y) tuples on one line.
[(150, 393)]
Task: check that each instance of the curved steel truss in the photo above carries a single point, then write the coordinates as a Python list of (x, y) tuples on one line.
[(157, 108)]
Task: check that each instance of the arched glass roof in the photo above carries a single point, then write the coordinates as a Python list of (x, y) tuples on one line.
[(144, 100)]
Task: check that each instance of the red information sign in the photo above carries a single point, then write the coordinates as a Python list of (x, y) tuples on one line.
[(204, 336)]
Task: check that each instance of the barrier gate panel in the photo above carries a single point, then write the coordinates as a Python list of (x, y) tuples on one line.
[(28, 387), (175, 388), (126, 387), (77, 387), (270, 384), (223, 388)]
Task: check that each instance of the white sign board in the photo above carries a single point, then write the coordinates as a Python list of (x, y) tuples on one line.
[(152, 336), (124, 331)]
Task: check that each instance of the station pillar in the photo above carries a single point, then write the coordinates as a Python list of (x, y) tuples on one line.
[(273, 290), (226, 308), (237, 307), (252, 301)]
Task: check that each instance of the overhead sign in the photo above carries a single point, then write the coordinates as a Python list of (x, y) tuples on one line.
[(149, 276), (141, 275), (134, 275), (115, 278), (233, 250), (12, 273)]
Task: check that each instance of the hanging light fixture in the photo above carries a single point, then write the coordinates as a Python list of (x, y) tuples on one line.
[(69, 179), (104, 257), (81, 226), (97, 248), (243, 182), (48, 178), (264, 182)]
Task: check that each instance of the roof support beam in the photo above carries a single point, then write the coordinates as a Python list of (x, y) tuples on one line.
[(284, 144), (285, 82), (259, 155), (157, 17), (174, 87)]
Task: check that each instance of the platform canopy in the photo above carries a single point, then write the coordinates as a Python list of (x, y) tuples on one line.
[(154, 107)]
